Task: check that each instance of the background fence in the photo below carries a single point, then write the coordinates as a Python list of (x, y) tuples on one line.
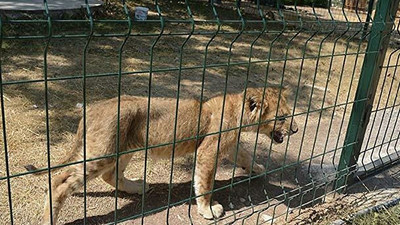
[(339, 64)]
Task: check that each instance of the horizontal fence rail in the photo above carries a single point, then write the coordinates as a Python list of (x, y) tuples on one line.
[(220, 112)]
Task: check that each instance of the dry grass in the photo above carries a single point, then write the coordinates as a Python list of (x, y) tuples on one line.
[(386, 216), (25, 112)]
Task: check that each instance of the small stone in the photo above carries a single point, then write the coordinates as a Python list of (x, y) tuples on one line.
[(35, 106), (79, 105), (266, 218), (231, 205), (242, 200)]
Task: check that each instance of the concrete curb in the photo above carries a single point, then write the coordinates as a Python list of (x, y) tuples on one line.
[(33, 8)]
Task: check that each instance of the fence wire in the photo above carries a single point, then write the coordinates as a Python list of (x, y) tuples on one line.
[(337, 60)]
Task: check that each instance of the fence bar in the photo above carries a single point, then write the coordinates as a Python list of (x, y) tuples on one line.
[(46, 99), (369, 18), (372, 66), (3, 123)]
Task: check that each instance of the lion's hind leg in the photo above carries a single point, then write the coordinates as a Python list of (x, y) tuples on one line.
[(134, 186)]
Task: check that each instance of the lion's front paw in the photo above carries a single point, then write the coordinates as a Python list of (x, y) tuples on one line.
[(134, 186), (215, 211)]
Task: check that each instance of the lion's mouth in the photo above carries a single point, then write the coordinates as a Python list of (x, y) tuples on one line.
[(277, 136)]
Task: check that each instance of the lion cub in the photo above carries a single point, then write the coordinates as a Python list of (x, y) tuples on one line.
[(101, 140)]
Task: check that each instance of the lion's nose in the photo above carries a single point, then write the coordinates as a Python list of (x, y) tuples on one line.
[(294, 131)]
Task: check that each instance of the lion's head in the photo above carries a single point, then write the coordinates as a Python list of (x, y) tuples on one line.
[(276, 120)]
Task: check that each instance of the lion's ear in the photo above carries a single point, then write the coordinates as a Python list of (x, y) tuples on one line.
[(254, 103)]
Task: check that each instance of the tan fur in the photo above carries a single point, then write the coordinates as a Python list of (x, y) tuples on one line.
[(101, 130)]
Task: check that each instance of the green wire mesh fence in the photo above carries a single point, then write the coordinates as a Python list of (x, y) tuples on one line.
[(337, 60)]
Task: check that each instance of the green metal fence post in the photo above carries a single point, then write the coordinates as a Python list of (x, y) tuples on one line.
[(372, 66)]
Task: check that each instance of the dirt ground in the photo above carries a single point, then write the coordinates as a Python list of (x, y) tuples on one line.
[(320, 68), (373, 191)]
